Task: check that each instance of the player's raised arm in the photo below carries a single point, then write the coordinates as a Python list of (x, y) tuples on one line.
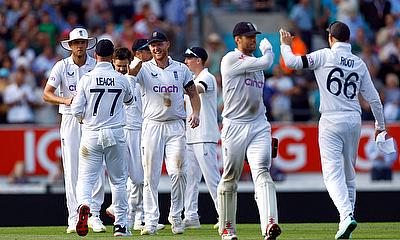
[(311, 60), (291, 60), (242, 59)]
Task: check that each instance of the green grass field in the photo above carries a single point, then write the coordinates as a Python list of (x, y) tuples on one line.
[(318, 231)]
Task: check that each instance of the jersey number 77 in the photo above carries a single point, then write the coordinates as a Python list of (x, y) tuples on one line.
[(101, 92)]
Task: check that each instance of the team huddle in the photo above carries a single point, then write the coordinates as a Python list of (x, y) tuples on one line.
[(127, 112)]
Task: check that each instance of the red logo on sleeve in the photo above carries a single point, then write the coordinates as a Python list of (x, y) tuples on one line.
[(242, 57)]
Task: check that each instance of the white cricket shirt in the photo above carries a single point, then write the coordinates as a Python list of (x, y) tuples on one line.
[(134, 118), (242, 85), (100, 97), (208, 130), (65, 76), (162, 90), (341, 76)]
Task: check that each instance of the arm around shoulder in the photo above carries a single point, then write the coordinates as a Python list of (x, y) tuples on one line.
[(129, 95)]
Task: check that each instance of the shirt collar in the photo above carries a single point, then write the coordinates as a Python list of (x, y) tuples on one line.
[(105, 65), (153, 61), (237, 50), (341, 45), (203, 72), (88, 60)]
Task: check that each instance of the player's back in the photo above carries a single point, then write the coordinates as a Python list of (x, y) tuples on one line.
[(340, 75), (106, 90)]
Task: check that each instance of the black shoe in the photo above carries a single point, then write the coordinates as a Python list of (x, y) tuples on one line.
[(121, 231)]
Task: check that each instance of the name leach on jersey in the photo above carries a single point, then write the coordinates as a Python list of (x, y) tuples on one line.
[(100, 99)]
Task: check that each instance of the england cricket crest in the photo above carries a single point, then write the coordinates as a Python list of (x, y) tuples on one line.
[(176, 75), (228, 225)]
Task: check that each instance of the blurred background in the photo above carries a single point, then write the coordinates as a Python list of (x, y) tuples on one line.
[(31, 176)]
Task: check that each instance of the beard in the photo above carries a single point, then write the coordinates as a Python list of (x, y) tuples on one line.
[(80, 53), (159, 56)]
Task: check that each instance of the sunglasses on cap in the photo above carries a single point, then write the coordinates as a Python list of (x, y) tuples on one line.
[(190, 52)]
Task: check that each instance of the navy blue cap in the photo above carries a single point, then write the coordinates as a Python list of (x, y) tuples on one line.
[(158, 37), (104, 48), (140, 44), (197, 52), (245, 29)]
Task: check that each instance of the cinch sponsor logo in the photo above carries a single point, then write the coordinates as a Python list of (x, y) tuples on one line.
[(254, 83), (166, 89), (72, 87)]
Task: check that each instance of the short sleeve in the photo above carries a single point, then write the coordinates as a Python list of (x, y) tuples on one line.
[(55, 77), (187, 75), (207, 83)]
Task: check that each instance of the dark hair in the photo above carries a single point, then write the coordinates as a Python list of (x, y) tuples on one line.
[(339, 30), (122, 53)]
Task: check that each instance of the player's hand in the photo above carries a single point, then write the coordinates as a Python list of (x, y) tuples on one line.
[(134, 71), (80, 119), (193, 120), (68, 101), (379, 131), (286, 37), (265, 46)]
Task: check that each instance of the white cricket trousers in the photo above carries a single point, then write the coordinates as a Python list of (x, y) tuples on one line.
[(91, 157), (70, 133), (201, 159), (135, 170), (251, 140), (163, 140), (338, 136)]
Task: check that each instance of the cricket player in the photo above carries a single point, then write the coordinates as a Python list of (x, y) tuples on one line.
[(99, 107), (162, 84), (341, 76), (201, 149), (133, 132), (246, 132), (65, 75)]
